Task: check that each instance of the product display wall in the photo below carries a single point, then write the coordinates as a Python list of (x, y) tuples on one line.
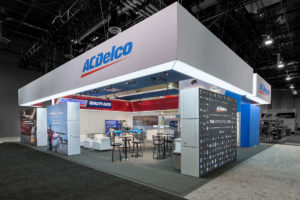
[(217, 132)]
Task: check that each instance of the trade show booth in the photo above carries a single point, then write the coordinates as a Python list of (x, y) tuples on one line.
[(167, 80)]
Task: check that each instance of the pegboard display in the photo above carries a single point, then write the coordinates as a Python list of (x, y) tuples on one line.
[(217, 131)]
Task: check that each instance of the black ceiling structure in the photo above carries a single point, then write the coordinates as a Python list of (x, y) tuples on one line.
[(47, 34)]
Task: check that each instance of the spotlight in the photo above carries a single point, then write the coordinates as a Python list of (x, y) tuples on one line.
[(166, 73), (194, 82), (163, 79), (280, 64), (268, 41), (108, 88), (292, 86), (153, 79), (130, 82)]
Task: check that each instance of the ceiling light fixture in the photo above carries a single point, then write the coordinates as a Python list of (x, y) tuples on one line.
[(292, 86), (280, 64), (295, 92), (288, 78), (268, 41)]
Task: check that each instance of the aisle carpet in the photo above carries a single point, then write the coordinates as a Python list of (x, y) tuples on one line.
[(29, 174)]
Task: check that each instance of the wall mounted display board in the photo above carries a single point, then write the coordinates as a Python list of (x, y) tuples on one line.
[(63, 127), (33, 126), (217, 139)]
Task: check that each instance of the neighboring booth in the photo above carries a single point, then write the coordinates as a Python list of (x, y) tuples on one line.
[(33, 123), (180, 47)]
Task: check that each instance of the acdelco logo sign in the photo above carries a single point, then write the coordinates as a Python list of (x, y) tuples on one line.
[(263, 90), (103, 60), (221, 109)]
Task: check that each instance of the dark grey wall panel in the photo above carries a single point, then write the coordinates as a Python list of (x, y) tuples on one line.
[(11, 78), (217, 138)]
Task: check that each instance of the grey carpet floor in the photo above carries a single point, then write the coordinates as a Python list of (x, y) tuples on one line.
[(270, 175), (29, 174), (158, 174)]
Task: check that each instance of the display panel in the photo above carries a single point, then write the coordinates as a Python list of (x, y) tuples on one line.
[(57, 128), (28, 126), (217, 127)]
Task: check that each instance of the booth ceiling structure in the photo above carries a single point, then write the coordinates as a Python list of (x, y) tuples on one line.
[(176, 43)]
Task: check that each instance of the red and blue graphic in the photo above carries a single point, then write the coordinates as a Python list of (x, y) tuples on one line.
[(104, 60), (263, 90)]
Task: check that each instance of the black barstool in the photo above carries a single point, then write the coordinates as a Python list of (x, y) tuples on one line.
[(136, 145), (114, 145), (157, 145), (170, 142)]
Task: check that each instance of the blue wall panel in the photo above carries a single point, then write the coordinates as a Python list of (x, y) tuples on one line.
[(250, 116)]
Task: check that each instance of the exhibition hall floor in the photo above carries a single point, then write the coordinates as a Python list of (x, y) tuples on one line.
[(29, 174), (158, 174), (262, 172)]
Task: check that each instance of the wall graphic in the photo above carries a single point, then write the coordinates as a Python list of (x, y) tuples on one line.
[(28, 126), (217, 130), (57, 128)]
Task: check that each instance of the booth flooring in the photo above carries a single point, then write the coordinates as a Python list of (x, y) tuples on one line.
[(158, 174), (29, 174)]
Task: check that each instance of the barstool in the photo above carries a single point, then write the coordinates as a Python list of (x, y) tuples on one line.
[(114, 145), (136, 142), (157, 143)]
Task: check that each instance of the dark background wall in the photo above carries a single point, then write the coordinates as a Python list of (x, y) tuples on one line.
[(11, 78)]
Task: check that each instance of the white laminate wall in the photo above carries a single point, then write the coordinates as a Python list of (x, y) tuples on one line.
[(41, 133), (73, 122), (189, 123)]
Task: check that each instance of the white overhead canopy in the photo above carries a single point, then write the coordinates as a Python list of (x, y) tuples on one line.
[(171, 39)]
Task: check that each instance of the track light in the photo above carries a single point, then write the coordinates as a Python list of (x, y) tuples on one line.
[(268, 41), (292, 86)]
